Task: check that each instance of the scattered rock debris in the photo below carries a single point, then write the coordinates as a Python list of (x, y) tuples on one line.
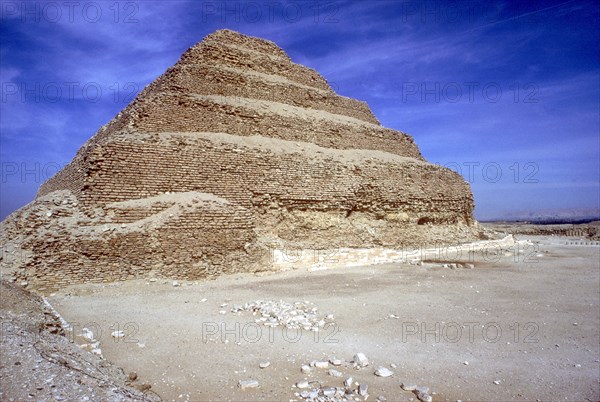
[(324, 388), (297, 315), (41, 362)]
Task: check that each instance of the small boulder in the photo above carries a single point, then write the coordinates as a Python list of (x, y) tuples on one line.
[(361, 360)]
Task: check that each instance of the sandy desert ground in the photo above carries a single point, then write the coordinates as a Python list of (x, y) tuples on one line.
[(525, 326)]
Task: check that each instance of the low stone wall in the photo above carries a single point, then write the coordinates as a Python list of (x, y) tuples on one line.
[(293, 258)]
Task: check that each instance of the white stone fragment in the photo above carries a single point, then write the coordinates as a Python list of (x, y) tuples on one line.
[(302, 384), (248, 384), (321, 364), (328, 391), (87, 334), (335, 362), (361, 360), (383, 372)]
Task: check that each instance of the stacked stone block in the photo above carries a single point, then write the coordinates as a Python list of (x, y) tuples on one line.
[(232, 148)]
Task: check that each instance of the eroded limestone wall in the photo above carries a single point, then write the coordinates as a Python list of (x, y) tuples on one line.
[(53, 243), (259, 178)]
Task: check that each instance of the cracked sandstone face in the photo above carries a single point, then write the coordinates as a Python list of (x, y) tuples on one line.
[(232, 150)]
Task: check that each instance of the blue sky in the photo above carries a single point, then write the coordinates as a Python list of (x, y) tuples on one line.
[(506, 93)]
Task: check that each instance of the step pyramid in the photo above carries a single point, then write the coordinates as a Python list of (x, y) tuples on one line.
[(232, 152)]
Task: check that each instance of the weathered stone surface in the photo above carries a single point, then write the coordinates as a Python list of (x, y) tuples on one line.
[(232, 150)]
